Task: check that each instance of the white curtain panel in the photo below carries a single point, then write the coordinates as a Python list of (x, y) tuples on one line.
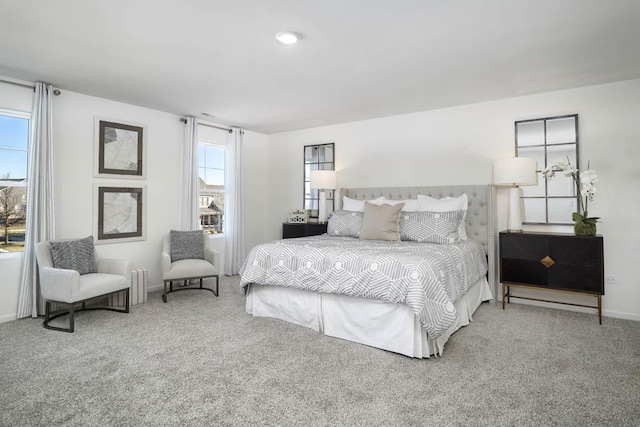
[(40, 198), (190, 203), (234, 252)]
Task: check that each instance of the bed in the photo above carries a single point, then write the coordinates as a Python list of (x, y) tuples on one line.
[(381, 294)]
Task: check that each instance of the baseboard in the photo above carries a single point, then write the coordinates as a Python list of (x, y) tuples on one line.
[(620, 315), (155, 288), (605, 313), (8, 317)]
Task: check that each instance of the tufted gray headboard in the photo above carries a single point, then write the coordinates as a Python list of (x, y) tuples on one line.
[(480, 221)]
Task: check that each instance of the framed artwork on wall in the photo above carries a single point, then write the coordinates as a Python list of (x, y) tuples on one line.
[(120, 149), (120, 213)]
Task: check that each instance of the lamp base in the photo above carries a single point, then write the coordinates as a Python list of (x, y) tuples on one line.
[(322, 207), (515, 214)]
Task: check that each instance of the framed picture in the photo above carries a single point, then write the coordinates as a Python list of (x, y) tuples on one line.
[(120, 213), (120, 149)]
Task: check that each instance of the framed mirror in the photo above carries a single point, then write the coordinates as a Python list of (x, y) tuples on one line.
[(317, 157), (547, 140)]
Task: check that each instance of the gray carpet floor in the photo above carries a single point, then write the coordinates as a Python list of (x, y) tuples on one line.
[(201, 360)]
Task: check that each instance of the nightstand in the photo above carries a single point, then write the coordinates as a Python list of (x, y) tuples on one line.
[(302, 229), (552, 261)]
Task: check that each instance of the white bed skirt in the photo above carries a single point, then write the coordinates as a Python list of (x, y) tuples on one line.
[(392, 327)]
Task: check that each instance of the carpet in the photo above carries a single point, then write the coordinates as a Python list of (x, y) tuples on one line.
[(200, 360)]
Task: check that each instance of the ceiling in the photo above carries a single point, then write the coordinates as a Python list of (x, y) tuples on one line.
[(357, 60)]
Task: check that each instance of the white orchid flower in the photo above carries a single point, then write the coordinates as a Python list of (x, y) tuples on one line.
[(584, 181), (589, 176)]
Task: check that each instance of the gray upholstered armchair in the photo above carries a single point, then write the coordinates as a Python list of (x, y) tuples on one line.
[(186, 256), (70, 274)]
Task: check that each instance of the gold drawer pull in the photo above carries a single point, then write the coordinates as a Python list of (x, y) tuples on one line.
[(547, 261)]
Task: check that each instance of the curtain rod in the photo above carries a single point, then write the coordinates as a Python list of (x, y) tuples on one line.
[(56, 92), (183, 120), (17, 82)]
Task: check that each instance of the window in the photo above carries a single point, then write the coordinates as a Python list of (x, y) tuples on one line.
[(14, 139), (317, 157), (211, 174), (547, 140)]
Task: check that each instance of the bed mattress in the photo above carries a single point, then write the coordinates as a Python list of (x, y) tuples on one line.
[(427, 278)]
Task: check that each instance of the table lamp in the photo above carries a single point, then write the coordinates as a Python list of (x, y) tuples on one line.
[(323, 180), (514, 172)]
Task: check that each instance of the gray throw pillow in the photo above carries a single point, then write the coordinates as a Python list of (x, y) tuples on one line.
[(431, 227), (345, 223), (78, 255), (186, 245), (381, 222)]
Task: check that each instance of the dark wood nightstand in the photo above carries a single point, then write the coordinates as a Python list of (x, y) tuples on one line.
[(302, 229), (552, 261)]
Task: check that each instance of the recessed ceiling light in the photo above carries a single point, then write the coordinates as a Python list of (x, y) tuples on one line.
[(287, 37)]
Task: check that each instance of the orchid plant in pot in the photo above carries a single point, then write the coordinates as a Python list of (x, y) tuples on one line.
[(585, 184)]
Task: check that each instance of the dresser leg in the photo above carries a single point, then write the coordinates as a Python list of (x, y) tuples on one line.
[(503, 296), (600, 308)]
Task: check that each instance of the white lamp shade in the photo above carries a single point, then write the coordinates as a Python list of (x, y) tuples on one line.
[(515, 171), (323, 180)]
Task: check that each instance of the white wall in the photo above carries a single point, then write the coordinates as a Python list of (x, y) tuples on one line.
[(256, 187), (458, 145), (74, 181)]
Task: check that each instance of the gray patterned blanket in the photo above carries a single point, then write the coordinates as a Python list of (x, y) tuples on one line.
[(427, 277)]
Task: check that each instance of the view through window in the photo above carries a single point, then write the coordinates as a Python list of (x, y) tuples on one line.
[(211, 174), (14, 139)]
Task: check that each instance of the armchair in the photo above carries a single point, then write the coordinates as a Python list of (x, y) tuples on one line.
[(65, 286), (187, 255)]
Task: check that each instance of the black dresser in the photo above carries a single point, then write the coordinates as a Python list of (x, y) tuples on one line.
[(298, 229), (552, 261)]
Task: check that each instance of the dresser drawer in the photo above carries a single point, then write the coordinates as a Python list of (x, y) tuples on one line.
[(585, 278), (523, 271), (521, 246)]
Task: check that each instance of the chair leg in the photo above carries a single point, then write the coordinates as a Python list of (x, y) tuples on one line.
[(72, 317), (217, 281), (164, 294), (201, 283), (48, 317)]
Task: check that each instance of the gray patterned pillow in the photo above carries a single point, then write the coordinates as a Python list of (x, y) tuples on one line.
[(78, 255), (345, 223), (431, 227), (186, 245)]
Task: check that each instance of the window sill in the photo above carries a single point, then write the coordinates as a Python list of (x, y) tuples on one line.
[(216, 236), (10, 255)]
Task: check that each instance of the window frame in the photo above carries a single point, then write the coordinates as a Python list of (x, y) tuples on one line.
[(27, 116), (212, 192)]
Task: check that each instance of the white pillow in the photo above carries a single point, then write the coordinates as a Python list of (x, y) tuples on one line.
[(410, 205), (354, 205), (461, 203)]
